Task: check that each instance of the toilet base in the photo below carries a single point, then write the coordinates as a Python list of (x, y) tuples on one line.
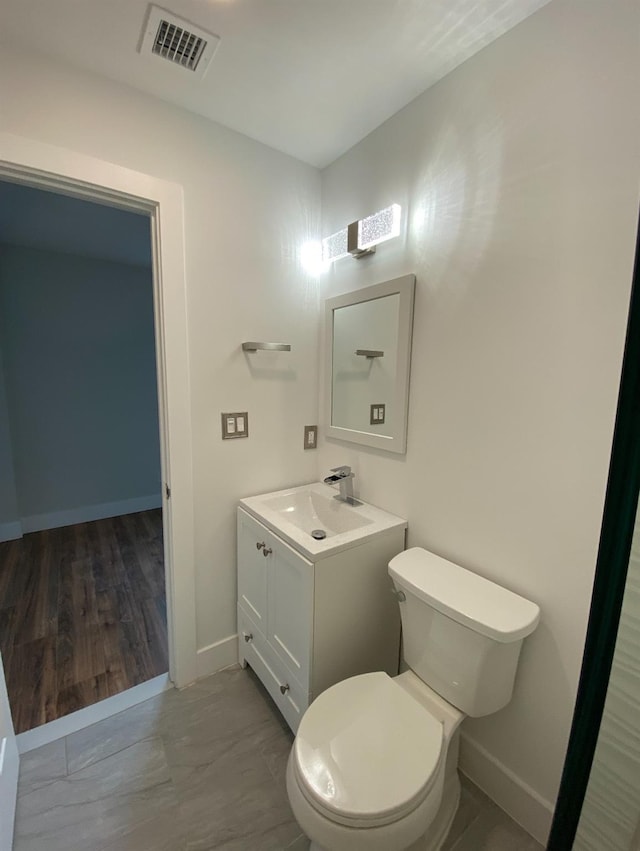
[(441, 825)]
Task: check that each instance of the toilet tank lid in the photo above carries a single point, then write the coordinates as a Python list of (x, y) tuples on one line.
[(467, 598)]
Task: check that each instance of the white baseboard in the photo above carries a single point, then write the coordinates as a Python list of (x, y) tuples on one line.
[(75, 721), (510, 793), (10, 531), (88, 513), (217, 656)]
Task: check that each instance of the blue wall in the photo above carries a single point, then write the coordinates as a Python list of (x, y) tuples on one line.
[(9, 514), (77, 339), (38, 218)]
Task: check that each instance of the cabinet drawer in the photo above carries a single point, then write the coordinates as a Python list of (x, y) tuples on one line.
[(248, 629), (271, 670)]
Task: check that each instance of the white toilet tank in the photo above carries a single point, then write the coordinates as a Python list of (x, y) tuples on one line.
[(461, 633)]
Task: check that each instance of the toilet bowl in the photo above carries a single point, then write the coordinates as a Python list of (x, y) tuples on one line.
[(373, 766), (374, 763)]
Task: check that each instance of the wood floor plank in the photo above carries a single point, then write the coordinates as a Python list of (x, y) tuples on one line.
[(152, 521), (155, 619), (54, 558), (108, 568), (7, 635), (13, 576), (82, 614), (84, 602), (31, 683), (107, 607), (134, 651), (135, 572), (82, 540), (83, 694), (79, 656), (118, 678), (37, 609)]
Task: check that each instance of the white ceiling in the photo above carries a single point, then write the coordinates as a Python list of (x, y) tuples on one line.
[(308, 77)]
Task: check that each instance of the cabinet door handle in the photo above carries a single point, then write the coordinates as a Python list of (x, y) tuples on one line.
[(284, 689), (266, 551), (248, 636), (260, 545)]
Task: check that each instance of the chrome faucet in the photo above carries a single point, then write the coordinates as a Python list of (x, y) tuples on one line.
[(344, 477)]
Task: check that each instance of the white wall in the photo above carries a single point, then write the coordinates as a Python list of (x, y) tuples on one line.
[(518, 178), (77, 338), (248, 210)]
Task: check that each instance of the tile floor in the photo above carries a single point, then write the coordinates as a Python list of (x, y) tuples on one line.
[(196, 770)]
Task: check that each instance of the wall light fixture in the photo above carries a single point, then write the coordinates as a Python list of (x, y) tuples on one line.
[(360, 238), (334, 247)]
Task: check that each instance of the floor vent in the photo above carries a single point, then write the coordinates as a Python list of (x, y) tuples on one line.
[(178, 41)]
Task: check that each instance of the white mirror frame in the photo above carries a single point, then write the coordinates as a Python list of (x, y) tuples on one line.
[(397, 440)]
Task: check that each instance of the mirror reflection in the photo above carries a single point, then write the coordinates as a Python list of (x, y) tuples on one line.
[(365, 341), (368, 349)]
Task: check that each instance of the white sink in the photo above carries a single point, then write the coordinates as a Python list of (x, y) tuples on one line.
[(309, 509), (295, 513)]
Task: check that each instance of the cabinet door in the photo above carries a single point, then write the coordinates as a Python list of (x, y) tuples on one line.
[(290, 614), (253, 568)]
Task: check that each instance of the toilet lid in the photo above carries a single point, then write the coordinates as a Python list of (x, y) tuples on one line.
[(366, 751)]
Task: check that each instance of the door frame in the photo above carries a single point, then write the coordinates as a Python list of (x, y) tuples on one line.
[(616, 536), (9, 768), (44, 166)]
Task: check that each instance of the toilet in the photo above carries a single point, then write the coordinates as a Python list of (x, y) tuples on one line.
[(374, 763)]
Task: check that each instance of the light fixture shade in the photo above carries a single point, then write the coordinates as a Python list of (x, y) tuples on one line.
[(335, 246), (379, 227), (360, 238)]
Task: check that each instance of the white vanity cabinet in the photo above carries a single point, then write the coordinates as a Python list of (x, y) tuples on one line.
[(304, 625)]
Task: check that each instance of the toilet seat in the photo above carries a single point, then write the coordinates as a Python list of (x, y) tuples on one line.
[(366, 752)]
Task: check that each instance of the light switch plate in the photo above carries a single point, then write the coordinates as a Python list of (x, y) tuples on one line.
[(376, 414), (235, 425), (311, 437)]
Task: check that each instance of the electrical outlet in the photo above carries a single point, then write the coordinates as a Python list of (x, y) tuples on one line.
[(310, 437), (235, 425)]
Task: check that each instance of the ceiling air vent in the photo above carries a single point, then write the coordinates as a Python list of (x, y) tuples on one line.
[(178, 41)]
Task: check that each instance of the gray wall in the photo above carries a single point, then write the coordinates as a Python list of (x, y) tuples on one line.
[(8, 500), (38, 218), (77, 338)]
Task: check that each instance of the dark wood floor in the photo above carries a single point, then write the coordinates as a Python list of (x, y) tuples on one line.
[(82, 614)]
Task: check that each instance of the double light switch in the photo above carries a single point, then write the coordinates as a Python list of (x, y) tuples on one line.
[(377, 413), (235, 425)]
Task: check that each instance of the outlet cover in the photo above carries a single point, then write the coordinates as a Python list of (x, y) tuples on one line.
[(310, 437)]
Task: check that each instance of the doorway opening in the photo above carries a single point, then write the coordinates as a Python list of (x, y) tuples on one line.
[(31, 163), (82, 579)]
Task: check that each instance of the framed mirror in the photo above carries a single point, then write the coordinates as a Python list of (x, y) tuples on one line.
[(368, 356)]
